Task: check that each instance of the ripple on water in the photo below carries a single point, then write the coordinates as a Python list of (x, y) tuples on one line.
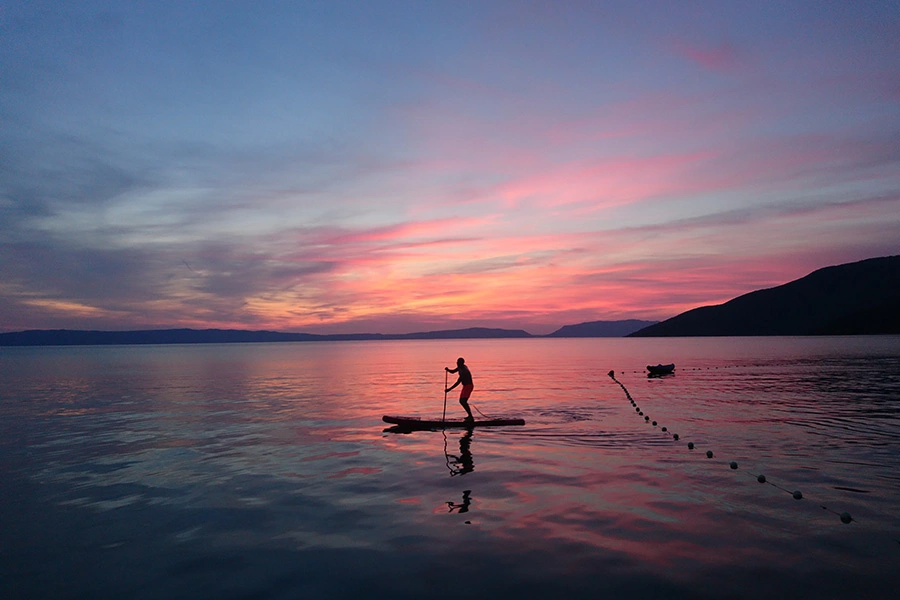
[(202, 455)]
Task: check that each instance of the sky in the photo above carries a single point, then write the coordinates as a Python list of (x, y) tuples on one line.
[(337, 167)]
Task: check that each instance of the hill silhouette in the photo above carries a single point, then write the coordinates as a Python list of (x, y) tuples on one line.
[(65, 337), (854, 298), (602, 328)]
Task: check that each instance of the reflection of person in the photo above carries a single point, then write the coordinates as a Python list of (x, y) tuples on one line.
[(465, 378), (464, 463), (461, 507)]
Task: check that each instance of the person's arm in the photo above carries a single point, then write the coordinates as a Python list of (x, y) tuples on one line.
[(454, 385), (449, 370)]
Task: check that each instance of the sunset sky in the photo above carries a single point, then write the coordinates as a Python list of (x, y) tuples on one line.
[(405, 166)]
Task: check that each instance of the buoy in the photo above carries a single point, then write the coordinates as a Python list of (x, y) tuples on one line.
[(646, 418), (690, 445), (654, 423), (665, 428), (845, 517), (761, 479), (797, 495), (637, 409), (709, 454), (733, 465), (640, 412), (674, 435)]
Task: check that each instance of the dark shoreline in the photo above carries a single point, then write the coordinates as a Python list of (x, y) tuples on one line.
[(64, 337), (73, 337)]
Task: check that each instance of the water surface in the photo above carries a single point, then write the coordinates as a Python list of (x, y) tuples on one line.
[(264, 470)]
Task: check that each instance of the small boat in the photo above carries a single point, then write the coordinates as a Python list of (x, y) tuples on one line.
[(420, 423), (661, 369)]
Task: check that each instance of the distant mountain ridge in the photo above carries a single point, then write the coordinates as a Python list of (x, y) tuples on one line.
[(853, 298), (65, 337), (74, 337), (602, 328)]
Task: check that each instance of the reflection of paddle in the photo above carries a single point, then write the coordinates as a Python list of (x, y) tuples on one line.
[(444, 415)]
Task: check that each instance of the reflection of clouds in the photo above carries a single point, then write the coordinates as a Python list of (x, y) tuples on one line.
[(162, 444), (354, 471), (623, 518)]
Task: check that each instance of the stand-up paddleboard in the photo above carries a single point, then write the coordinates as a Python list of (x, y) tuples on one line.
[(420, 423)]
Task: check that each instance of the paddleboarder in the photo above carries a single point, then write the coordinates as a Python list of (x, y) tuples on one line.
[(465, 378)]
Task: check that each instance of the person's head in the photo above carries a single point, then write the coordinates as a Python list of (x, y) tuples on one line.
[(460, 361)]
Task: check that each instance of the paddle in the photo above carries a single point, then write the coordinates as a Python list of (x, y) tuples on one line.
[(444, 415)]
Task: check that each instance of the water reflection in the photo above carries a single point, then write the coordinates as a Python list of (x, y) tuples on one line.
[(464, 463), (182, 459), (659, 375), (461, 507)]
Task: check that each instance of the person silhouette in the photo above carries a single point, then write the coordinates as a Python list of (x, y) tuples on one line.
[(465, 378)]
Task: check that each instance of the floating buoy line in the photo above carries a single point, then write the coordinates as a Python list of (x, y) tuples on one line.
[(845, 517), (715, 368)]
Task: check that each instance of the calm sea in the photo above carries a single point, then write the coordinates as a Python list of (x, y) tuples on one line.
[(264, 471)]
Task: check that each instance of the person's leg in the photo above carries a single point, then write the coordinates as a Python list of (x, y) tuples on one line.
[(464, 400), (465, 405)]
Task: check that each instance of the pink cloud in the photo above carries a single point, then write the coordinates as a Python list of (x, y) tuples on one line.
[(722, 57), (615, 274), (407, 231), (600, 184)]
